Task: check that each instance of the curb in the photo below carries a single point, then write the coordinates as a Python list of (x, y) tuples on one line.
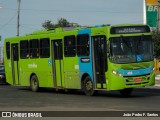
[(157, 85)]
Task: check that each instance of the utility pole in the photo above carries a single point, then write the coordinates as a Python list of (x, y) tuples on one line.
[(18, 16), (144, 12)]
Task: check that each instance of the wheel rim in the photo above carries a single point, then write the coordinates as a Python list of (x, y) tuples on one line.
[(88, 85), (34, 83)]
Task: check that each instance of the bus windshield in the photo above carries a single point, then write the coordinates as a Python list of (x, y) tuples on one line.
[(131, 49)]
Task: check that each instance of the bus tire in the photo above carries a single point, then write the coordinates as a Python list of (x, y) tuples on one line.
[(126, 92), (87, 86), (34, 83)]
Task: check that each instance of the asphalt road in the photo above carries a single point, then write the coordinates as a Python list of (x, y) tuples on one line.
[(22, 99)]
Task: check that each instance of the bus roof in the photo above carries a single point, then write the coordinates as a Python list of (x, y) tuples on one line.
[(74, 29)]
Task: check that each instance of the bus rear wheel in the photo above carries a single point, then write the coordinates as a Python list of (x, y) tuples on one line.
[(87, 86), (126, 92), (34, 83)]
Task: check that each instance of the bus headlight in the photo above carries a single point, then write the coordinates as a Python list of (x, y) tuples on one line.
[(116, 73), (153, 70), (119, 74)]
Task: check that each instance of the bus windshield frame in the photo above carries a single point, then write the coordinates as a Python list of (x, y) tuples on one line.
[(131, 49)]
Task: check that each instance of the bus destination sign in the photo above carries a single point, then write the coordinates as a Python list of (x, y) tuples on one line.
[(129, 29)]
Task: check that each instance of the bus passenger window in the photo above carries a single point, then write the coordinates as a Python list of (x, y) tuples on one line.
[(34, 48), (8, 50), (83, 45), (44, 48), (15, 52), (69, 46), (24, 49)]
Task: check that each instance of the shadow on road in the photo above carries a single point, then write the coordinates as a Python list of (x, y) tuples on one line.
[(137, 92)]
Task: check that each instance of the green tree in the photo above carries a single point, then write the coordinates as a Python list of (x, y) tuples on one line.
[(48, 25), (156, 43), (61, 23)]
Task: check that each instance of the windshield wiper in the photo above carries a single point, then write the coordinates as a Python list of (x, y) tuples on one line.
[(138, 43), (126, 43)]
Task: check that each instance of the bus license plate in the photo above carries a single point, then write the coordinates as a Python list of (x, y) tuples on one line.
[(137, 79)]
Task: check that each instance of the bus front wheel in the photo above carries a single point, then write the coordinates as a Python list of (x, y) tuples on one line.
[(34, 83), (87, 86), (126, 92)]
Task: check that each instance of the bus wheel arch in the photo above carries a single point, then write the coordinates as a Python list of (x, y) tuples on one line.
[(34, 83), (87, 85)]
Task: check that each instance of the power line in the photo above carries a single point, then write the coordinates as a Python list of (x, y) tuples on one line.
[(3, 0), (74, 11), (28, 27), (12, 18)]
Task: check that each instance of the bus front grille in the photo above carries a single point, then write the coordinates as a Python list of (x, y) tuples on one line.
[(130, 81)]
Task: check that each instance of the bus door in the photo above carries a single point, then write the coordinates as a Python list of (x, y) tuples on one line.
[(99, 59), (57, 57), (14, 63)]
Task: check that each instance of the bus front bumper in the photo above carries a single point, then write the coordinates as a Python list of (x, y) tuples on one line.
[(118, 82)]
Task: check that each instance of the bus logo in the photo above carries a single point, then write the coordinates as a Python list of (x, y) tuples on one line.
[(129, 73), (85, 60), (32, 65)]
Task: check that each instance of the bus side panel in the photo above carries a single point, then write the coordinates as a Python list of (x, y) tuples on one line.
[(41, 68), (8, 61), (85, 62), (44, 72), (8, 71), (49, 77), (25, 71), (71, 73)]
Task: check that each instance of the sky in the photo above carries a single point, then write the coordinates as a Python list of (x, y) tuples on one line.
[(84, 12)]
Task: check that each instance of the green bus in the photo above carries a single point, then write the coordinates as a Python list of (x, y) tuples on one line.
[(96, 58)]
